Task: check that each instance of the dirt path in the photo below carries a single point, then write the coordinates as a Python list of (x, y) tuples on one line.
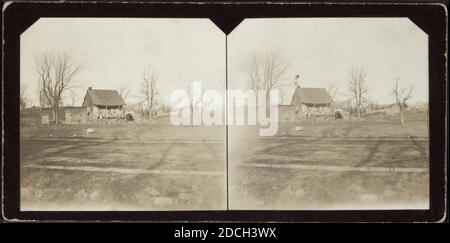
[(389, 153), (267, 173), (339, 168), (125, 170), (94, 174), (329, 173)]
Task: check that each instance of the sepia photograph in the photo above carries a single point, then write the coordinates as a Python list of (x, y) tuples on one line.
[(352, 107), (95, 129)]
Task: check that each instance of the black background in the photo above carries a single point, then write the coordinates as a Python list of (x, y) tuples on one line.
[(431, 18)]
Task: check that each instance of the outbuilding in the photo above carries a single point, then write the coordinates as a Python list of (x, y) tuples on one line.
[(309, 102), (103, 104)]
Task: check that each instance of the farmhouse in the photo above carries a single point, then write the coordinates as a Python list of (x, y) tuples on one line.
[(101, 104), (310, 102)]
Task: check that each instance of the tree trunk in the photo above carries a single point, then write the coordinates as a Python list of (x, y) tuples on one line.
[(359, 112), (55, 107), (401, 116), (330, 112), (150, 113), (149, 110), (55, 114), (349, 111)]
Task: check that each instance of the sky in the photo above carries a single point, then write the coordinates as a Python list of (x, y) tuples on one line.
[(114, 52), (324, 50)]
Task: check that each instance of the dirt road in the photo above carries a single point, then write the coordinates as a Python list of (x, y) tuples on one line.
[(329, 173), (265, 173), (96, 174)]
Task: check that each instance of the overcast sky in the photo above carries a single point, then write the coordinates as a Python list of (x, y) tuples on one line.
[(113, 52), (323, 50)]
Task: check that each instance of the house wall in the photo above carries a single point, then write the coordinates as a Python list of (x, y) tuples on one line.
[(286, 113), (318, 110), (49, 112), (66, 115), (30, 115), (99, 112), (93, 113), (309, 110), (75, 115)]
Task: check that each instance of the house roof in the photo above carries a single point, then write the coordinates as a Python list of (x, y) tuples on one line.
[(313, 95), (105, 97)]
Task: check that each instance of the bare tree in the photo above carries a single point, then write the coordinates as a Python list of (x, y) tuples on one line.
[(23, 102), (357, 87), (149, 91), (265, 71), (56, 75), (40, 94), (401, 96), (332, 90)]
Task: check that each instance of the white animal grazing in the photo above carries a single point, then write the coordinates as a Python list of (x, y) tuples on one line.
[(298, 129), (90, 130)]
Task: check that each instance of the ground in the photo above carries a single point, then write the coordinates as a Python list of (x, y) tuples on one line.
[(318, 173), (109, 175), (369, 163)]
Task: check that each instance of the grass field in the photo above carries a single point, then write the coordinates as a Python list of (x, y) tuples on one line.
[(369, 163), (329, 174), (157, 129), (110, 175), (123, 166), (331, 164)]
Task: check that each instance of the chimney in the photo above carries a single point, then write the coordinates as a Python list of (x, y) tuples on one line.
[(297, 77), (90, 88)]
